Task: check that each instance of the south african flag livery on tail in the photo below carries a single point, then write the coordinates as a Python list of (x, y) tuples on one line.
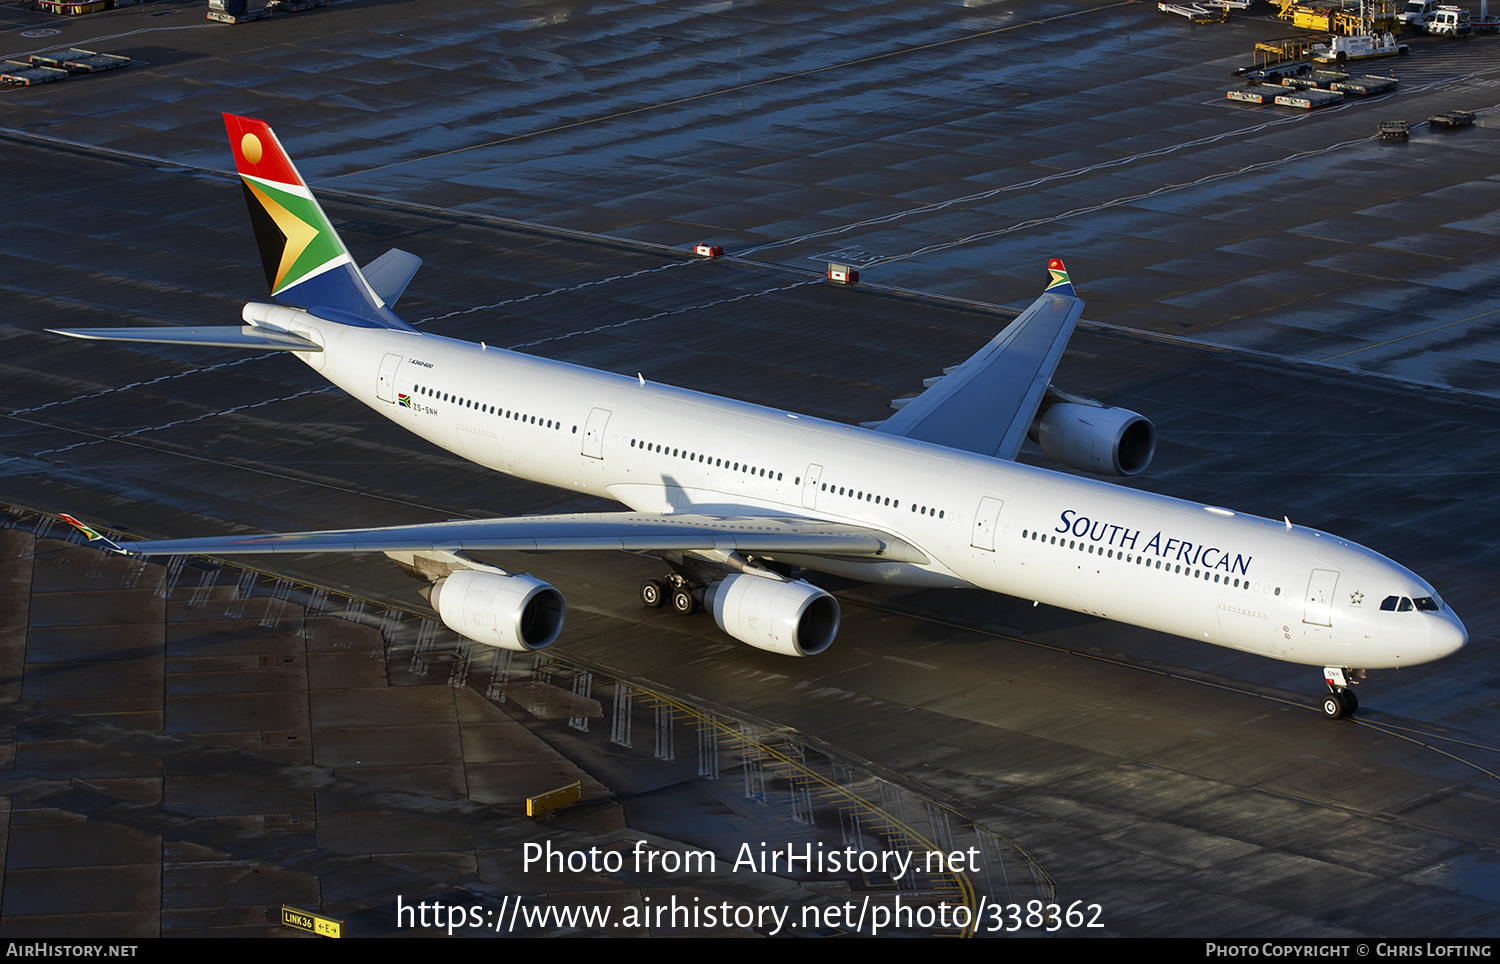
[(1060, 285), (306, 264)]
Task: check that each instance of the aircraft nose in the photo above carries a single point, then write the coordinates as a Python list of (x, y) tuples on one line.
[(1448, 636)]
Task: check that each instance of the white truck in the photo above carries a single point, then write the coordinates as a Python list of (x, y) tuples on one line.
[(1417, 13), (1450, 21)]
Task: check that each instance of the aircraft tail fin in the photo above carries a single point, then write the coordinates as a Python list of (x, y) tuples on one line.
[(306, 263)]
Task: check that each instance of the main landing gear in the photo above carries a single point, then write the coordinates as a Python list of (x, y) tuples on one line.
[(1340, 701), (674, 590)]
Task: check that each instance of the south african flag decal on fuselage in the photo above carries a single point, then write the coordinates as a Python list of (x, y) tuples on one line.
[(403, 400)]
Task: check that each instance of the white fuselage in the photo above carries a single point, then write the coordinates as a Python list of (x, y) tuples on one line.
[(1195, 571)]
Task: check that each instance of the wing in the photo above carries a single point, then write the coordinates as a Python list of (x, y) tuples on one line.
[(641, 531), (986, 405)]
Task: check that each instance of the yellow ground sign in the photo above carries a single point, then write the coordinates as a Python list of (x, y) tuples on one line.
[(303, 921), (554, 799)]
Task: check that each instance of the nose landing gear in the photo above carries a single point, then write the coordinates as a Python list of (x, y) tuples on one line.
[(1340, 701)]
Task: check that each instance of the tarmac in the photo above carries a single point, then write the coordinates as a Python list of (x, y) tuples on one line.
[(1306, 312)]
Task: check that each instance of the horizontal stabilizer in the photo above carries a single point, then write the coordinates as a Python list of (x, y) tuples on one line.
[(229, 336), (390, 273)]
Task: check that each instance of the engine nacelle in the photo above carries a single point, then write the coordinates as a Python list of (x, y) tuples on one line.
[(1106, 441), (511, 612), (790, 618)]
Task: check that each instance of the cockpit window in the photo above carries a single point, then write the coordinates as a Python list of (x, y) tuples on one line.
[(1401, 604)]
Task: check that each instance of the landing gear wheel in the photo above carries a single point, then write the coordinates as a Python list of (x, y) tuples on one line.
[(683, 602), (1351, 702), (653, 593), (1333, 706)]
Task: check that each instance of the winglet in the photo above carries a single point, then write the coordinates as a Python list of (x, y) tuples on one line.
[(93, 535), (1060, 284)]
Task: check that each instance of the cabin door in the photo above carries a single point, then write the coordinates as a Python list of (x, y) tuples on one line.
[(385, 382), (810, 486), (593, 433), (1319, 611), (986, 521)]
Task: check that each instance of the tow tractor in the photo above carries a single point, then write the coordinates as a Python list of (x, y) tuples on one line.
[(1341, 50), (1372, 37)]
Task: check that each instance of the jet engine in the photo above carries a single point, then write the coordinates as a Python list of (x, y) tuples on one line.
[(511, 612), (790, 618), (1106, 441)]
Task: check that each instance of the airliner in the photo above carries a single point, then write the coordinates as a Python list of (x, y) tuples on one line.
[(739, 500)]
